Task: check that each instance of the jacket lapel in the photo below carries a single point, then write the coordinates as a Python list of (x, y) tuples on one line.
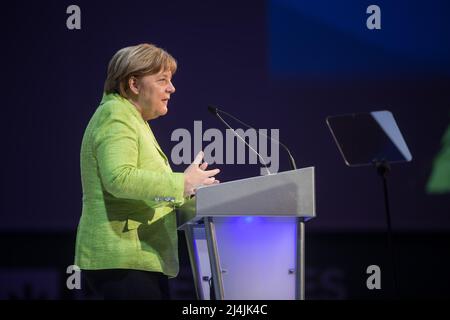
[(157, 144)]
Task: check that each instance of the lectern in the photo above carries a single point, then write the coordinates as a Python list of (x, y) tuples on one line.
[(246, 237)]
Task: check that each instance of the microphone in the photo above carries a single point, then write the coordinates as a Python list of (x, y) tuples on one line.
[(215, 111)]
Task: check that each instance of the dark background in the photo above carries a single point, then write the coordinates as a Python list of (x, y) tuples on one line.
[(284, 65)]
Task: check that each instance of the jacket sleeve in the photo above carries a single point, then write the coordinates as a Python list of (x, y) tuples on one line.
[(115, 145)]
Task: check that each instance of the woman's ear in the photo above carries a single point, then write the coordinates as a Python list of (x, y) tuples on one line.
[(133, 84)]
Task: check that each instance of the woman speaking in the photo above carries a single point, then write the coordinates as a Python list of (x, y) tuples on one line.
[(127, 238)]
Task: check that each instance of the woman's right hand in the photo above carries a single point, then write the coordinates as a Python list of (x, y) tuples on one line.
[(196, 175)]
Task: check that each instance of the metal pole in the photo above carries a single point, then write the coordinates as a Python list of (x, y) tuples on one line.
[(193, 257), (383, 169), (300, 255), (214, 258)]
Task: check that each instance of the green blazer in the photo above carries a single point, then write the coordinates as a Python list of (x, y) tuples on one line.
[(129, 194)]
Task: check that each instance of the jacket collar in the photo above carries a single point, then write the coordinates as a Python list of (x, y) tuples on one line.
[(118, 97)]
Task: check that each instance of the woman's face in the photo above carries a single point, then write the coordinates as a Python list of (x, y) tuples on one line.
[(153, 94)]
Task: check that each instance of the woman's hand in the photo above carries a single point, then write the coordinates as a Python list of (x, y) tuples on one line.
[(196, 175)]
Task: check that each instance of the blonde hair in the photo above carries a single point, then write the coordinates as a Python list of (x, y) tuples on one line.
[(143, 59)]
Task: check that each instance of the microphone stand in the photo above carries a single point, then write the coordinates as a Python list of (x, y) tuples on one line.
[(245, 142), (291, 158)]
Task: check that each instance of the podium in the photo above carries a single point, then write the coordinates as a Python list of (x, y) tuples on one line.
[(246, 237)]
